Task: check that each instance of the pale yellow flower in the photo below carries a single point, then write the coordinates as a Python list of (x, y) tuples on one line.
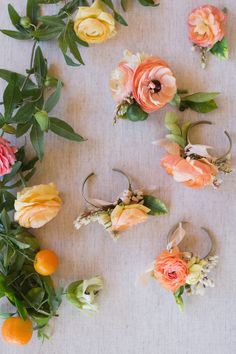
[(125, 216), (93, 24), (195, 274), (36, 206)]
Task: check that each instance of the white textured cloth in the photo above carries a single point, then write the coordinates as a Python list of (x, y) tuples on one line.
[(134, 320)]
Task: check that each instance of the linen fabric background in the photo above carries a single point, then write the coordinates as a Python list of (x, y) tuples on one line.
[(135, 320)]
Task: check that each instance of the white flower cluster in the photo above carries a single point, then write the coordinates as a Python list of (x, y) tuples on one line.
[(128, 196), (204, 281)]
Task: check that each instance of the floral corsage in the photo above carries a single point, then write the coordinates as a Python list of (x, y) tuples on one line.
[(191, 164), (131, 208), (182, 272), (142, 84), (206, 29)]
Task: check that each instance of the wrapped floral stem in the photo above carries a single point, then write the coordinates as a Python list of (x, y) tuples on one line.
[(130, 208)]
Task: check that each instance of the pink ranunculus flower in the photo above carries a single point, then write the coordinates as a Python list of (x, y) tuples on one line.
[(154, 84), (192, 173), (171, 270), (7, 156), (206, 26)]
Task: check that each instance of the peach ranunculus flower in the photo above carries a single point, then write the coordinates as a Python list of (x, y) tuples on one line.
[(154, 84), (7, 156), (171, 270), (93, 24), (36, 206), (125, 216), (206, 26), (192, 173)]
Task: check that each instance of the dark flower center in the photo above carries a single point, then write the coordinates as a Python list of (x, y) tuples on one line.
[(157, 87)]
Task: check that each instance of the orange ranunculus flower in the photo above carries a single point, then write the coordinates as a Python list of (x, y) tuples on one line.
[(192, 173), (206, 26), (171, 270), (36, 206), (125, 216), (154, 84)]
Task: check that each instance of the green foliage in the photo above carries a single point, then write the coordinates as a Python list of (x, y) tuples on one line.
[(178, 298), (221, 49), (156, 205), (135, 113), (178, 133), (201, 102), (28, 99), (58, 27)]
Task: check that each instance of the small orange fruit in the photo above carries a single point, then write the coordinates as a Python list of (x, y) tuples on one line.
[(17, 331), (46, 262)]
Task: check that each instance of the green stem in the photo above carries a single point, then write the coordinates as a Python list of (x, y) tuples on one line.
[(31, 66)]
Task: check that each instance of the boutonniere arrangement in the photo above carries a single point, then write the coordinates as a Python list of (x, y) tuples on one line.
[(182, 272), (76, 23), (206, 27), (192, 164), (132, 207), (142, 84)]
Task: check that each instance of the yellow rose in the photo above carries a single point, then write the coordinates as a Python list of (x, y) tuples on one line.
[(125, 216), (93, 24), (36, 206), (195, 274)]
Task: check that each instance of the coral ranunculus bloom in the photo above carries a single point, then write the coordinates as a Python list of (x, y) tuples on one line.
[(36, 206), (154, 84), (171, 270), (206, 26), (7, 156), (124, 217), (121, 82), (192, 173)]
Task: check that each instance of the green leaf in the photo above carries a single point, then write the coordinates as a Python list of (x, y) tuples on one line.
[(63, 129), (15, 17), (177, 139), (19, 244), (204, 107), (171, 118), (20, 308), (35, 296), (19, 79), (37, 140), (11, 97), (52, 21), (179, 292), (185, 128), (24, 113), (32, 11), (148, 3), (54, 98), (200, 97), (5, 220), (15, 168), (221, 49), (22, 129), (175, 100), (69, 61), (15, 34), (47, 33), (156, 205), (72, 46), (40, 66), (43, 120), (9, 200), (120, 19), (135, 113)]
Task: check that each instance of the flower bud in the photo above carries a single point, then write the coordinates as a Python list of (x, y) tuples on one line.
[(50, 81), (42, 119), (25, 22)]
